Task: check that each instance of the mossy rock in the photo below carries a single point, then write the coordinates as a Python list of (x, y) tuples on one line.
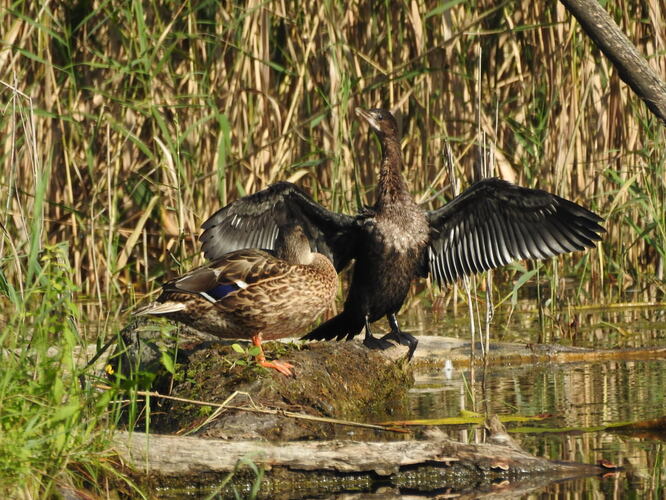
[(341, 380)]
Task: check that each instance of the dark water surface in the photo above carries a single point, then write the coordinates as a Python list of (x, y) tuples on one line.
[(577, 396)]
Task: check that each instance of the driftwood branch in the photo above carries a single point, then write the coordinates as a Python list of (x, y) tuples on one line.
[(631, 66), (155, 452)]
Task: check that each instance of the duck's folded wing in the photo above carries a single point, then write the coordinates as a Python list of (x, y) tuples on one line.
[(237, 270), (495, 222), (253, 222)]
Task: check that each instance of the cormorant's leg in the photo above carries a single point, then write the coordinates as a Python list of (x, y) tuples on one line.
[(401, 337), (372, 342), (280, 366)]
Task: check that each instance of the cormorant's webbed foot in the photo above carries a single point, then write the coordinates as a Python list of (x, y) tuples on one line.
[(372, 342), (401, 337)]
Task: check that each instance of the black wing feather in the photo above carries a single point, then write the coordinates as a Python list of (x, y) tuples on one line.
[(253, 222), (495, 222)]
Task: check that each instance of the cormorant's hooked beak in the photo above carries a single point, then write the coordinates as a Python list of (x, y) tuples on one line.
[(369, 117)]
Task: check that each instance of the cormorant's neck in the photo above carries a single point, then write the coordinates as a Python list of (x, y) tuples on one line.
[(391, 188)]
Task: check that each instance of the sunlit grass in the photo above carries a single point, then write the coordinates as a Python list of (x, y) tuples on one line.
[(53, 421), (54, 424)]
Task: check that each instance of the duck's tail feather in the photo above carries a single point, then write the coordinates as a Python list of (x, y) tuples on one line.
[(342, 326), (160, 308)]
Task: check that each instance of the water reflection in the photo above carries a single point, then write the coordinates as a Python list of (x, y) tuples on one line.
[(611, 327), (575, 396)]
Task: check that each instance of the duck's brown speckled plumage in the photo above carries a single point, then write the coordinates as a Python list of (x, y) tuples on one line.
[(252, 294)]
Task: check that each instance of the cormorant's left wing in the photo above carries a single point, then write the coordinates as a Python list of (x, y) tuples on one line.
[(495, 222)]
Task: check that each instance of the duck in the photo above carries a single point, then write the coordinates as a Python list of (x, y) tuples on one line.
[(253, 293), (491, 224)]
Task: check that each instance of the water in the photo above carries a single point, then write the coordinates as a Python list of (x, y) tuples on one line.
[(575, 396)]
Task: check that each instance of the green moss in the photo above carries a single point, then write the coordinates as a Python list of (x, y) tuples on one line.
[(344, 381)]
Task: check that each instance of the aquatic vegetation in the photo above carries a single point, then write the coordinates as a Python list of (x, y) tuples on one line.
[(54, 423)]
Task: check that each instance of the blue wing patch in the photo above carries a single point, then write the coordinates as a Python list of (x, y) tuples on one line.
[(221, 291)]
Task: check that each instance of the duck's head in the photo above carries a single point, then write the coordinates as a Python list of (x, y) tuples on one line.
[(381, 121), (293, 246)]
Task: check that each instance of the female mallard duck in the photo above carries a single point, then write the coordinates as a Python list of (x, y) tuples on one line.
[(491, 224), (253, 294)]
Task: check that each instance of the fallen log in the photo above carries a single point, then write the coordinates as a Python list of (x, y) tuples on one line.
[(168, 455), (190, 465), (333, 382), (435, 351)]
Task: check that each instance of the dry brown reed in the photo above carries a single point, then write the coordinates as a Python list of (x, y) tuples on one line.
[(150, 115)]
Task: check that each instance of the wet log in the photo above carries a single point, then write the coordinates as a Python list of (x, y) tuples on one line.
[(332, 380), (437, 351)]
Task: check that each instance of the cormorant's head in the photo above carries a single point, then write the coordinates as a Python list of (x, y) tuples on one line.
[(381, 121)]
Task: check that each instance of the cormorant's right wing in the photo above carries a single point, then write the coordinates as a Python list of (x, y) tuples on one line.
[(253, 222)]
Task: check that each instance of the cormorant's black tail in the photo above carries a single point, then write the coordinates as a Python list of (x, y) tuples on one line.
[(339, 327)]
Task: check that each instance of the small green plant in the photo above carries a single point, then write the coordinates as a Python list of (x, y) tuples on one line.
[(249, 353)]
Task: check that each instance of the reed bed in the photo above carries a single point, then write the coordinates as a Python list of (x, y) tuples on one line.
[(147, 117), (125, 124)]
